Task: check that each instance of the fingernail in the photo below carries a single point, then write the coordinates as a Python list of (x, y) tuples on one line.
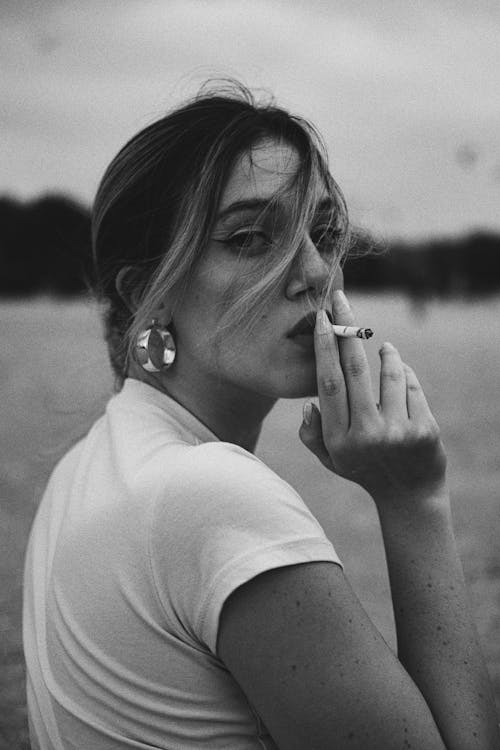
[(322, 322), (387, 347), (307, 411), (340, 299)]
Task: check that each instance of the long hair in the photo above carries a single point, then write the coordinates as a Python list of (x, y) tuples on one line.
[(156, 206)]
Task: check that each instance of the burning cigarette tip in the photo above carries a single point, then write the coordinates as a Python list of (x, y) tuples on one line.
[(365, 333), (352, 332)]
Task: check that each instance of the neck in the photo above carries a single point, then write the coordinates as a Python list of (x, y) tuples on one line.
[(231, 413)]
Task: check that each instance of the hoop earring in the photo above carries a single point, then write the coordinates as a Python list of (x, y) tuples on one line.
[(161, 354)]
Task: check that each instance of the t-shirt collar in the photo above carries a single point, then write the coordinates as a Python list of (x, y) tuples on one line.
[(137, 390)]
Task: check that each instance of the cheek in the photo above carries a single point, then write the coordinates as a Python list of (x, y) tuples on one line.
[(243, 348), (214, 318), (213, 291), (200, 307)]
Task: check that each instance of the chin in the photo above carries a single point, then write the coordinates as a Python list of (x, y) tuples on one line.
[(301, 392), (298, 387)]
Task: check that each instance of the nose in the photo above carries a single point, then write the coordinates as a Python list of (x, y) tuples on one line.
[(309, 272)]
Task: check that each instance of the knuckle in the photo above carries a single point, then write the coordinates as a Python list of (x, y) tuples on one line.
[(413, 386), (366, 436), (335, 446), (355, 367), (411, 379), (392, 375), (330, 384), (432, 430), (395, 434), (426, 433)]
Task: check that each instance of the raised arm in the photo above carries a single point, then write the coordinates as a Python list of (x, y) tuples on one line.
[(394, 450), (298, 641)]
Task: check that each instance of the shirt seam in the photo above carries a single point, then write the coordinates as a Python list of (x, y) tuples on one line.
[(154, 582)]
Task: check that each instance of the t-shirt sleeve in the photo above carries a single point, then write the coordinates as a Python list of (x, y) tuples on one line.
[(223, 519)]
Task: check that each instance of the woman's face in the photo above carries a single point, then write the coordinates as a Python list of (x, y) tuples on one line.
[(271, 360)]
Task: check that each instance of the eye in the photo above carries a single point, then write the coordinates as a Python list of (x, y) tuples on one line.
[(249, 241), (326, 237)]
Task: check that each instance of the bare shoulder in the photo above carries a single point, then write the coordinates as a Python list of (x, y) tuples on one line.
[(307, 656)]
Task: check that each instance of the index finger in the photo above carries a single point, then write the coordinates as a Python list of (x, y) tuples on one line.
[(355, 365)]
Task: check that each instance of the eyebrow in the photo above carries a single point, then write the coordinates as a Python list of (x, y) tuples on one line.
[(251, 204), (254, 204)]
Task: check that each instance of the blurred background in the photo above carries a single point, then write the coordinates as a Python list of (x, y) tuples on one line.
[(407, 98)]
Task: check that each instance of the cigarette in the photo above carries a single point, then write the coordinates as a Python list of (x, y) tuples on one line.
[(350, 332)]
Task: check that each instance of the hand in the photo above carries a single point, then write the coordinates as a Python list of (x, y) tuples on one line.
[(393, 449)]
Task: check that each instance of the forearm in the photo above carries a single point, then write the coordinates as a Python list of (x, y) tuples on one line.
[(437, 641)]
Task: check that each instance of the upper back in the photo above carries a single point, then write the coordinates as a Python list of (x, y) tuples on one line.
[(146, 527)]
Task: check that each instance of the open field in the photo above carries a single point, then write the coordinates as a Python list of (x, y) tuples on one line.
[(55, 380)]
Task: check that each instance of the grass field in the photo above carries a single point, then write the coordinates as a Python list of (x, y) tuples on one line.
[(55, 380)]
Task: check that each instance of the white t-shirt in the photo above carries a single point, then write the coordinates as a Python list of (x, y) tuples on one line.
[(146, 527)]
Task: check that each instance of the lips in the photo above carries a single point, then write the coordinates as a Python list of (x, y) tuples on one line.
[(304, 326)]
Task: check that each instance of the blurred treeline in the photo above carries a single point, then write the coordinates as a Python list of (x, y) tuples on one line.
[(45, 248)]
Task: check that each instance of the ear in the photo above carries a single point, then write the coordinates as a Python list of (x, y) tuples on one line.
[(129, 290), (127, 287)]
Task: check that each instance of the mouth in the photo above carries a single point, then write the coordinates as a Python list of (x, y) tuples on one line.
[(305, 326)]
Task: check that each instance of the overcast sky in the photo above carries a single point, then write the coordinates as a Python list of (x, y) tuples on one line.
[(406, 94)]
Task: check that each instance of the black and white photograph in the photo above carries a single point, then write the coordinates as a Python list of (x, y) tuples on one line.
[(249, 375)]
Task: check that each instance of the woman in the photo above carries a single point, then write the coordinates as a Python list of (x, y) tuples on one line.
[(179, 594)]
